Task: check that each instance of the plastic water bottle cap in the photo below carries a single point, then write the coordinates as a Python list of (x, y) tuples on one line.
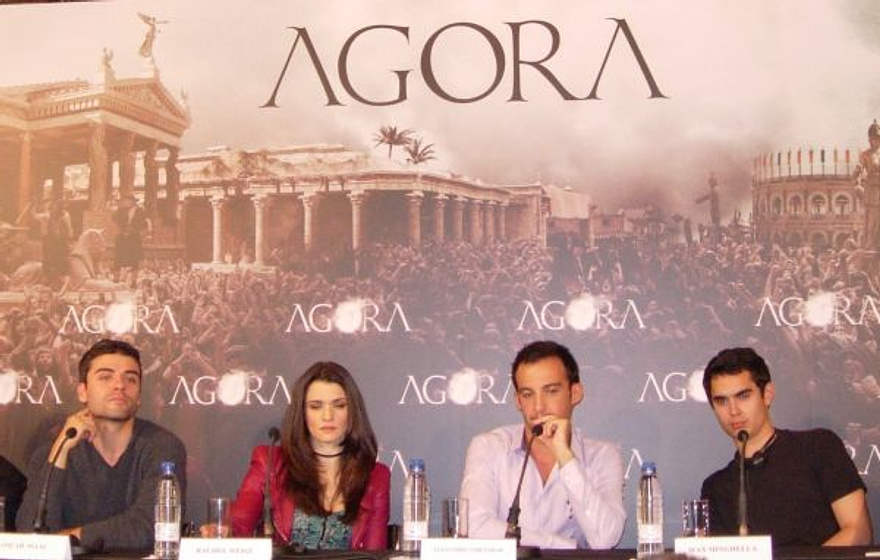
[(167, 467), (649, 467), (417, 465)]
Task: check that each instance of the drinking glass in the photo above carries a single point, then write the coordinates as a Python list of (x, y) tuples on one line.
[(455, 518), (218, 525), (695, 518)]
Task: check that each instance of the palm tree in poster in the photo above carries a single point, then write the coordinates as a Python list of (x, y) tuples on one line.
[(392, 137), (417, 153)]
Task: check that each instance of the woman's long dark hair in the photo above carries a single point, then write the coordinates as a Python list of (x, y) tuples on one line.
[(359, 447)]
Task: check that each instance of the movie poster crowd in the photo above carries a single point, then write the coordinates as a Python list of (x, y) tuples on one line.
[(417, 190)]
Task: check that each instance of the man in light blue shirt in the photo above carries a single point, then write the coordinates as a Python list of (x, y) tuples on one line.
[(572, 493)]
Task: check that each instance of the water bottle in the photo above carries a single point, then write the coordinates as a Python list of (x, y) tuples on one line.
[(416, 507), (649, 512), (168, 513)]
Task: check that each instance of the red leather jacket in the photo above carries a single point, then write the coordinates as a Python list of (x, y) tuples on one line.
[(368, 532)]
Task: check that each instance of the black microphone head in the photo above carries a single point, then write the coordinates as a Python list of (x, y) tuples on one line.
[(537, 429), (274, 434), (742, 436), (70, 433)]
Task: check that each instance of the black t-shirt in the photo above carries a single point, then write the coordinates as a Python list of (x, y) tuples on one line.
[(790, 491)]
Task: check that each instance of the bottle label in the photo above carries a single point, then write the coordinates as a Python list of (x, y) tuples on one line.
[(650, 533), (414, 530), (164, 532)]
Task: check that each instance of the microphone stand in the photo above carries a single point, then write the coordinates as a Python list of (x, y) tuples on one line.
[(268, 511), (43, 503), (513, 529), (743, 437)]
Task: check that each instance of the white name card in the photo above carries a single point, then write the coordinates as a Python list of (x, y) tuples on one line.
[(726, 548), (226, 549), (480, 549), (31, 546)]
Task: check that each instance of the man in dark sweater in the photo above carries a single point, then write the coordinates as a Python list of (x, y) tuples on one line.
[(12, 485), (802, 487), (102, 490)]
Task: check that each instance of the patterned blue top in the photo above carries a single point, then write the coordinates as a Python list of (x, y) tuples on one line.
[(316, 532)]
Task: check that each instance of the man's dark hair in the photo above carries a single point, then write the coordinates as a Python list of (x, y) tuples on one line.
[(107, 346), (731, 361), (540, 349)]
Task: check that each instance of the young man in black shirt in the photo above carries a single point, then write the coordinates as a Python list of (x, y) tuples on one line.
[(802, 486)]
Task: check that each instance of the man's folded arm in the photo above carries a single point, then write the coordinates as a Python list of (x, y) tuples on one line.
[(480, 487), (851, 512), (596, 496), (546, 539)]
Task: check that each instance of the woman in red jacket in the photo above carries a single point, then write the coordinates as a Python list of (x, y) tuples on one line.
[(327, 489)]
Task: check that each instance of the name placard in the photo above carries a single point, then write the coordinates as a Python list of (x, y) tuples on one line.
[(226, 549), (479, 549), (31, 546), (759, 547)]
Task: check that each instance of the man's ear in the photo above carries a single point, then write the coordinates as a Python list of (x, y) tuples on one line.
[(81, 393), (577, 393), (769, 394)]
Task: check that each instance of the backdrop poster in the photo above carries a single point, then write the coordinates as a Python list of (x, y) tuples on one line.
[(416, 190)]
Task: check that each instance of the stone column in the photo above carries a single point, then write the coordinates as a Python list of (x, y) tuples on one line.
[(25, 172), (180, 236), (501, 217), (476, 222), (151, 181), (126, 165), (261, 203), (98, 168), (458, 218), (357, 231), (414, 217), (489, 221), (543, 215), (108, 192), (217, 205), (440, 218), (310, 203), (172, 182)]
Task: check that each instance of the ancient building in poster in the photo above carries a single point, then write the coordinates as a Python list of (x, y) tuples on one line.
[(105, 126), (807, 197)]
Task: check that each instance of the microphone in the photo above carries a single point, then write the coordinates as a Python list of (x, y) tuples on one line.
[(743, 437), (513, 528), (43, 503), (268, 509)]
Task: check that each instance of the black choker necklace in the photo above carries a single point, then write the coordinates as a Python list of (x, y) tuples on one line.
[(330, 455)]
